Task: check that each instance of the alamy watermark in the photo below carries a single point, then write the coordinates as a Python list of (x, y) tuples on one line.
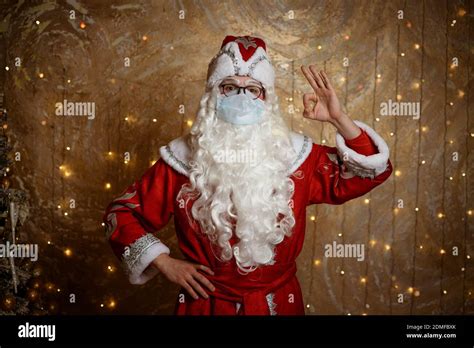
[(68, 108), (236, 156), (399, 108), (28, 330), (19, 250), (345, 250)]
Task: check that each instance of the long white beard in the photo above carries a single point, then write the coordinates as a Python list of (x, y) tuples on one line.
[(239, 175)]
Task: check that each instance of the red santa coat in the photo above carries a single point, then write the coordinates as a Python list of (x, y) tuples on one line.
[(321, 174)]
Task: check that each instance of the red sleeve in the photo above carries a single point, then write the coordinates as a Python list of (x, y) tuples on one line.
[(331, 182), (362, 144), (143, 209)]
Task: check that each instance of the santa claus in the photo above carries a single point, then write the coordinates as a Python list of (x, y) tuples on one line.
[(238, 186)]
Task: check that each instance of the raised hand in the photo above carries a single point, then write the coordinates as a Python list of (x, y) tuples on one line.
[(323, 104)]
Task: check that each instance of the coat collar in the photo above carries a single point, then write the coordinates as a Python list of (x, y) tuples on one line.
[(177, 153)]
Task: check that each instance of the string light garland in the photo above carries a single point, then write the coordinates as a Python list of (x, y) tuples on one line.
[(419, 163), (393, 156), (108, 165), (114, 167), (368, 200), (445, 141), (317, 262), (467, 150), (344, 213), (66, 172)]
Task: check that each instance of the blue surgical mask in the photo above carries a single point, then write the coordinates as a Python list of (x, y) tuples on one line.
[(240, 109)]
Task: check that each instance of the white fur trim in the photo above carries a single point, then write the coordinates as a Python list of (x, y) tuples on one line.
[(139, 255), (177, 153), (364, 166), (302, 144), (229, 62)]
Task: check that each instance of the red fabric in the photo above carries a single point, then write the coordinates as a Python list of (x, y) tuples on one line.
[(250, 290), (362, 144), (247, 45), (317, 180), (153, 211)]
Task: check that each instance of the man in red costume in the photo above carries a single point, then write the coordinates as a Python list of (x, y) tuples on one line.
[(238, 186)]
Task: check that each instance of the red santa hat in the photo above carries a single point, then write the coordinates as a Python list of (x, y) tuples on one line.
[(243, 56)]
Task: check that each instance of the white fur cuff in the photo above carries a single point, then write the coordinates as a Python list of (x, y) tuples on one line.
[(139, 255), (361, 165)]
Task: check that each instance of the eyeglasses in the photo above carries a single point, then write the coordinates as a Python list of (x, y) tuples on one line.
[(229, 89)]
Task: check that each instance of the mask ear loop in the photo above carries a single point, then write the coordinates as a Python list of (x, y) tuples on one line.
[(264, 93), (217, 86)]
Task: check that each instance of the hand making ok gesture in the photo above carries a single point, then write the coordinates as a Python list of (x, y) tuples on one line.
[(323, 104)]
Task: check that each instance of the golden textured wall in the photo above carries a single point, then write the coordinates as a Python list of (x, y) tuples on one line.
[(82, 59)]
